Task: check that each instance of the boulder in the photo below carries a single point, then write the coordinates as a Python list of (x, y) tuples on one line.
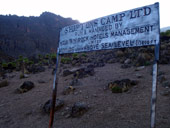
[(78, 109), (36, 69), (47, 106), (68, 89), (67, 72), (166, 84), (25, 87), (75, 82), (4, 83), (123, 85)]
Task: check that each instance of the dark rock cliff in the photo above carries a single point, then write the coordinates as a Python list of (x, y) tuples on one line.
[(29, 36)]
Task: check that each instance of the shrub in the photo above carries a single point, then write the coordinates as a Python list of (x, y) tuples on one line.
[(30, 62), (4, 65), (116, 89), (65, 60), (12, 64), (75, 55), (84, 54), (53, 56), (47, 56)]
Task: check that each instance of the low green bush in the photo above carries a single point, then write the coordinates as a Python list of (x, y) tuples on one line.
[(65, 60)]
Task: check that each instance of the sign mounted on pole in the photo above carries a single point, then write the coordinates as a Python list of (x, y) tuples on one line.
[(133, 28), (136, 27)]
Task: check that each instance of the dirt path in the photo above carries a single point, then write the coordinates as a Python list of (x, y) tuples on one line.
[(107, 110)]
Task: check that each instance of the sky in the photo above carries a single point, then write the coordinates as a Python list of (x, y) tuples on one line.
[(81, 10)]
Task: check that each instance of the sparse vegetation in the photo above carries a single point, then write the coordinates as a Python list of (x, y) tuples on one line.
[(65, 60), (167, 33)]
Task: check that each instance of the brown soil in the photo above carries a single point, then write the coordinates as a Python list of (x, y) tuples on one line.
[(107, 110)]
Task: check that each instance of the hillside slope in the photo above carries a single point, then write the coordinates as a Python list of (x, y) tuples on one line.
[(28, 36)]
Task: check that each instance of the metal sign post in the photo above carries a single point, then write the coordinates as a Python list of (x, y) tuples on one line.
[(154, 81), (55, 83)]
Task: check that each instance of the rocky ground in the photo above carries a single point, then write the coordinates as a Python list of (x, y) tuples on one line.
[(90, 95)]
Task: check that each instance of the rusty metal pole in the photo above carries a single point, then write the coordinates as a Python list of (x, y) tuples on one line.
[(55, 83)]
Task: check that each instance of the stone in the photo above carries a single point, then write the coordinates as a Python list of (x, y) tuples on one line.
[(124, 66), (161, 78), (47, 106), (75, 82), (41, 81), (99, 64), (36, 69), (127, 61), (138, 75), (25, 87), (67, 72), (139, 68), (4, 83), (78, 109), (120, 86), (84, 72), (166, 84), (69, 89), (165, 93)]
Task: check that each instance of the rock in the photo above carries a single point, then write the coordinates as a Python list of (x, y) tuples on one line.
[(4, 83), (47, 106), (119, 53), (124, 66), (138, 75), (36, 69), (67, 72), (139, 68), (123, 85), (134, 82), (24, 76), (143, 59), (83, 72), (25, 87), (127, 61), (99, 64), (166, 84), (161, 78), (78, 109), (165, 93), (75, 82), (67, 90), (41, 81)]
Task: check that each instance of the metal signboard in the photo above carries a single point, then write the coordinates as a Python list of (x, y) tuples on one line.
[(136, 27), (133, 28)]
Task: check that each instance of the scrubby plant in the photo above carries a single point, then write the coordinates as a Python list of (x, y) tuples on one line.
[(20, 57), (4, 65), (26, 61), (12, 64), (84, 54), (53, 56), (30, 62), (75, 55), (116, 89), (167, 33), (65, 60), (47, 56), (45, 61)]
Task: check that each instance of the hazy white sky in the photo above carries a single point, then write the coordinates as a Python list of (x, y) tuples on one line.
[(82, 10)]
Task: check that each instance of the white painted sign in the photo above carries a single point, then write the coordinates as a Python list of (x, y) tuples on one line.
[(136, 27)]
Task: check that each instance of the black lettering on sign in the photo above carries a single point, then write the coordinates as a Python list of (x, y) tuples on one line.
[(140, 12), (92, 24), (112, 19), (91, 47)]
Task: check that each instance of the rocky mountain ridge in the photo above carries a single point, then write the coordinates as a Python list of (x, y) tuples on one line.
[(30, 36)]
